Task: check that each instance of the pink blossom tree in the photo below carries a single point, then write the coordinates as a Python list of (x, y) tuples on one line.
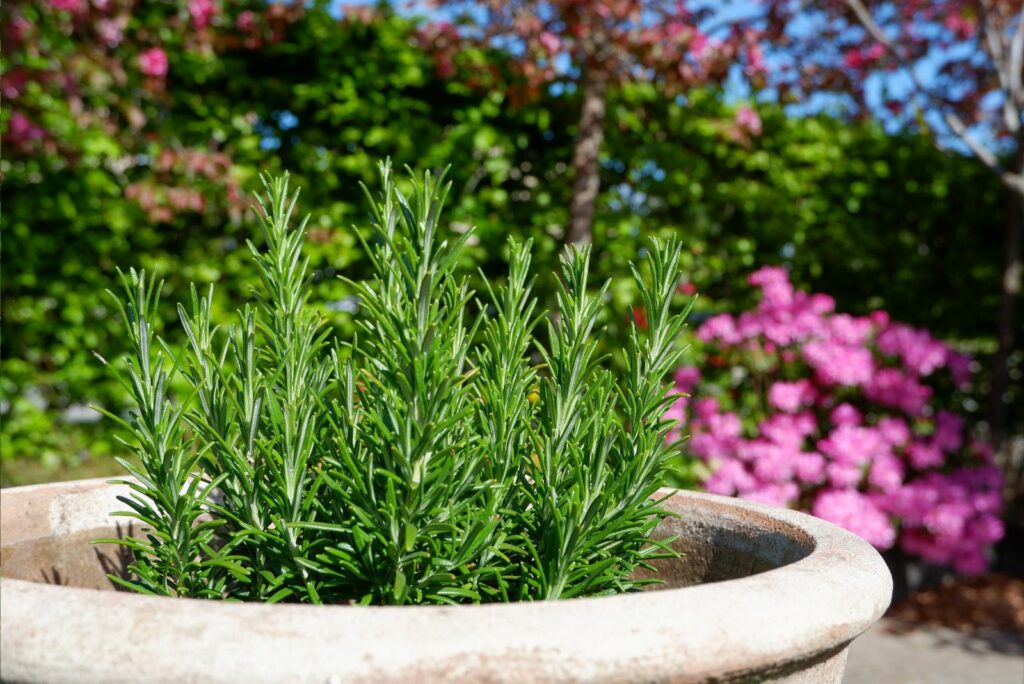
[(955, 67), (591, 45)]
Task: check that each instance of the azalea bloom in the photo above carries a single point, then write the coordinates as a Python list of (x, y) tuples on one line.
[(153, 62), (749, 120), (844, 424), (202, 13)]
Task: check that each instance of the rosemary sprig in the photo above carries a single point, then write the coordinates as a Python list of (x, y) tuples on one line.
[(439, 456)]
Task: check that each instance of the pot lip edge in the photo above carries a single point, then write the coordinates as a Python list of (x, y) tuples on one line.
[(858, 592)]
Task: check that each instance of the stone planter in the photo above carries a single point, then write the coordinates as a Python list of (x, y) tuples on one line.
[(763, 594)]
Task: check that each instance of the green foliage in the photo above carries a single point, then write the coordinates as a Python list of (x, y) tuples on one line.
[(165, 497), (429, 460), (874, 220)]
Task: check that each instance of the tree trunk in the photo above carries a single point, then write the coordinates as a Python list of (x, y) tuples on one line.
[(586, 158), (1009, 298)]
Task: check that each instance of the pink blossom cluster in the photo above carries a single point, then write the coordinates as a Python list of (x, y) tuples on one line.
[(162, 204), (860, 59), (836, 415), (153, 62), (202, 13), (73, 6), (748, 120)]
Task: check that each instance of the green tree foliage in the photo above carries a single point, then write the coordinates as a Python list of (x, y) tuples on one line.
[(877, 221)]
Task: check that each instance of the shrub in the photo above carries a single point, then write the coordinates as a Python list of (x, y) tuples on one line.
[(840, 416), (427, 460)]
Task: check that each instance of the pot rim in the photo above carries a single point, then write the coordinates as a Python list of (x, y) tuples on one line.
[(796, 612)]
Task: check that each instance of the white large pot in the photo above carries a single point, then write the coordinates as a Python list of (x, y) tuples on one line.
[(763, 594)]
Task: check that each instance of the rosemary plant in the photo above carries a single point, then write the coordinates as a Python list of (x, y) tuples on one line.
[(437, 457)]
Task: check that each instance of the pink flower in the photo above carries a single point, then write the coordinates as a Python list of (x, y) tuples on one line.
[(791, 396), (852, 444), (21, 128), (73, 6), (810, 467), (771, 462), (550, 42), (844, 475), (13, 82), (924, 455), (893, 430), (246, 21), (987, 529), (687, 378), (111, 31), (153, 62), (850, 329), (839, 364), (892, 387), (776, 290), (710, 447), (961, 26), (887, 472), (854, 59), (946, 519), (748, 119), (822, 303), (859, 59), (773, 494), (918, 350), (982, 451), (970, 562), (845, 414), (786, 429), (20, 27), (949, 429), (705, 409), (721, 327), (959, 368), (676, 413), (755, 60), (699, 45), (729, 478), (858, 514), (724, 424), (202, 13)]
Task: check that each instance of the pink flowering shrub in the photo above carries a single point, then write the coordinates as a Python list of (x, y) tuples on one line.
[(838, 416)]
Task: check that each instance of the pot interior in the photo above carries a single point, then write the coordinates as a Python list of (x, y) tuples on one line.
[(722, 542)]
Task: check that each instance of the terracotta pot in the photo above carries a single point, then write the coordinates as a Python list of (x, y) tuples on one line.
[(762, 594)]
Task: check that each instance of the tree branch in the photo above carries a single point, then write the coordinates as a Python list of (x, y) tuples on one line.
[(952, 119), (1017, 63), (983, 154), (994, 43)]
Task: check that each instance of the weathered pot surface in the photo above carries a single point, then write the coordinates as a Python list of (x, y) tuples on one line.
[(763, 594)]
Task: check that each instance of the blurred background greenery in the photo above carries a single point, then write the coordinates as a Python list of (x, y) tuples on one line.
[(106, 167)]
